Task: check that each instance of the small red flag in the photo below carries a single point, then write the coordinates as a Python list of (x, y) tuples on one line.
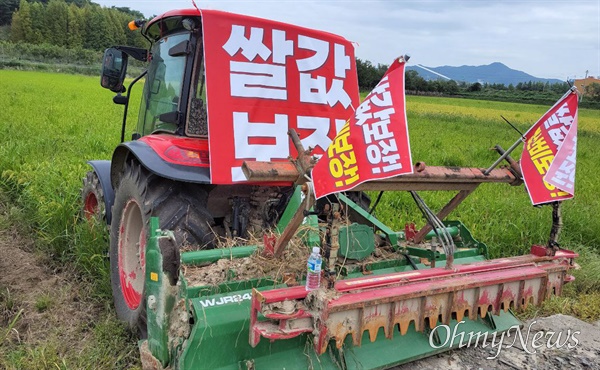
[(549, 156), (373, 144)]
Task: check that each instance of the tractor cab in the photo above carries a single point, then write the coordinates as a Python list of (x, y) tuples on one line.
[(174, 94)]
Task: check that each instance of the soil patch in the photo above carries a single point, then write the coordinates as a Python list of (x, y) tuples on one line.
[(44, 304)]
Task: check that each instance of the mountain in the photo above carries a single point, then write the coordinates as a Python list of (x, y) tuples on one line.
[(491, 73)]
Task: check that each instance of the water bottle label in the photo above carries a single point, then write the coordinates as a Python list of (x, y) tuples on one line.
[(312, 267)]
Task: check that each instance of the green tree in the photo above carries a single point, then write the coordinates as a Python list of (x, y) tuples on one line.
[(21, 26), (366, 74), (414, 82), (57, 23), (17, 28), (450, 87), (475, 87), (7, 8), (96, 35), (117, 25), (75, 25), (38, 27), (592, 91)]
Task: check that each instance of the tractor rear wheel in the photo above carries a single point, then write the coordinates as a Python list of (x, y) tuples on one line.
[(180, 207), (92, 197)]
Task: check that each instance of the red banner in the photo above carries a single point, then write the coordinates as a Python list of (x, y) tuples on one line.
[(264, 78), (548, 159), (374, 142)]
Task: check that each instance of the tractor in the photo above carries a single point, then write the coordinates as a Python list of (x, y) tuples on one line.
[(212, 216)]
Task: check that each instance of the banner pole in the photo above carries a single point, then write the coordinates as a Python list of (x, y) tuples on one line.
[(573, 89), (506, 154)]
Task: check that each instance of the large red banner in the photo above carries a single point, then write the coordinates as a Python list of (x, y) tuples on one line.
[(548, 159), (264, 78), (374, 142)]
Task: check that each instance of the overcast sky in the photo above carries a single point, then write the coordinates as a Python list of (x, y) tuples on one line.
[(550, 39)]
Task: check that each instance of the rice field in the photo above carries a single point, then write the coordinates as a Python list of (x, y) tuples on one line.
[(51, 124)]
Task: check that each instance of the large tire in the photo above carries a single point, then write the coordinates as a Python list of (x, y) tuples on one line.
[(180, 207), (92, 198)]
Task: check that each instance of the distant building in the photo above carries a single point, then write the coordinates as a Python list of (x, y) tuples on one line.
[(582, 83)]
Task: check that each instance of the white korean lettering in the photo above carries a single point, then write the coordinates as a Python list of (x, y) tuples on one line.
[(313, 90), (316, 61), (551, 121), (374, 154), (320, 127), (563, 110), (384, 99), (244, 131), (342, 61), (381, 87), (565, 174), (393, 163), (384, 114), (380, 151), (362, 113), (282, 48), (376, 131), (557, 135), (566, 120), (257, 80), (339, 124), (337, 94), (251, 47), (388, 147)]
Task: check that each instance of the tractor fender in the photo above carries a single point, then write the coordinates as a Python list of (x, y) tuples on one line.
[(102, 169), (155, 164)]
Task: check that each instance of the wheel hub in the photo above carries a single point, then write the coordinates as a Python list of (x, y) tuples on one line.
[(90, 206), (132, 259)]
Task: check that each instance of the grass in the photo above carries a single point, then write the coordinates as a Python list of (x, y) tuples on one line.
[(43, 302), (51, 124), (111, 349), (458, 132)]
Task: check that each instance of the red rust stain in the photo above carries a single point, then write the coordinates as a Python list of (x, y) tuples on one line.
[(484, 299)]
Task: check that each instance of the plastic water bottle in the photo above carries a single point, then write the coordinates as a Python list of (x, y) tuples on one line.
[(313, 277)]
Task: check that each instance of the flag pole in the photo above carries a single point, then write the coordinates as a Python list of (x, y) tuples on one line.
[(503, 156), (522, 138)]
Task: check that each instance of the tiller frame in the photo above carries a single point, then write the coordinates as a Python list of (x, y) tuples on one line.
[(394, 302)]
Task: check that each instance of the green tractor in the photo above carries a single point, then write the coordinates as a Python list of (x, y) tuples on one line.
[(211, 223)]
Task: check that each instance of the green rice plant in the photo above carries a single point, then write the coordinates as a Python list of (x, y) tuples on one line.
[(51, 124)]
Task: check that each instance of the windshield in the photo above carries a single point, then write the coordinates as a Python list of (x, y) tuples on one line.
[(162, 91)]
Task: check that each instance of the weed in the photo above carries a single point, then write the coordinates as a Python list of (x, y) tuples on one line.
[(10, 327), (43, 303)]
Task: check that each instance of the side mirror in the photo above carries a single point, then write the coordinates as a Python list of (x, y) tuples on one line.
[(114, 66)]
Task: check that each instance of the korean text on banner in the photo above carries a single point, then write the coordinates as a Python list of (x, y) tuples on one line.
[(374, 142), (548, 160), (264, 78)]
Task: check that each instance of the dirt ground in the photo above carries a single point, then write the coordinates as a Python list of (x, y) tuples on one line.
[(50, 305), (53, 307)]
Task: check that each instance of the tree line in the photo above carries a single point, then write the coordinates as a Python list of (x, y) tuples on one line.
[(72, 24), (82, 24), (369, 76)]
